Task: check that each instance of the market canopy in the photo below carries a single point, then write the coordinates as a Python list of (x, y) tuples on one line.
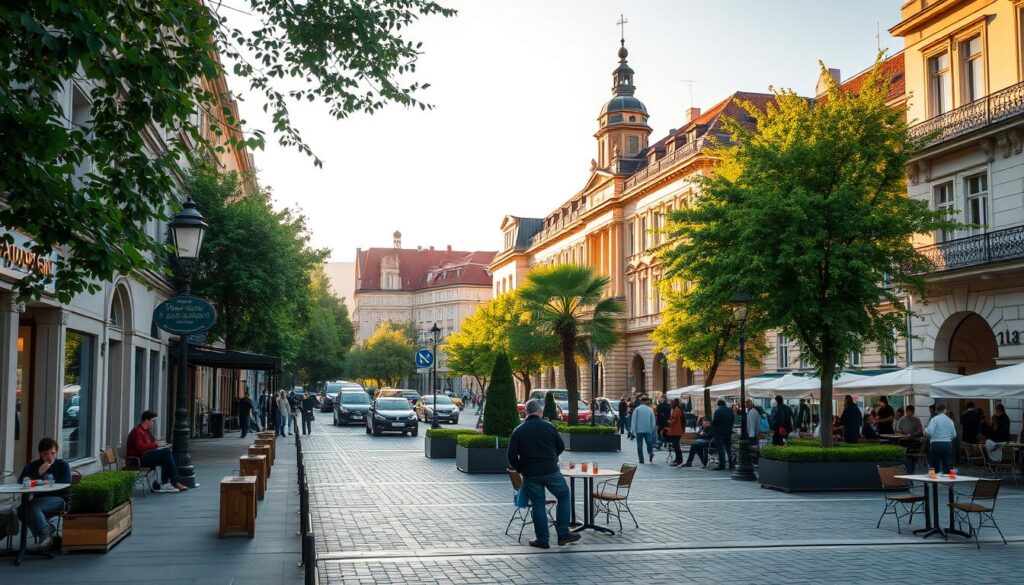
[(811, 387), (768, 388), (1000, 383), (685, 391), (909, 380)]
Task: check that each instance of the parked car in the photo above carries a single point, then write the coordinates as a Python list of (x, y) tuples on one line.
[(350, 406), (392, 414), (607, 412), (411, 395), (447, 411), (330, 393), (71, 412), (562, 403)]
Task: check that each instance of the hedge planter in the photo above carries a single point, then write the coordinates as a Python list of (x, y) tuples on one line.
[(791, 476), (439, 447), (481, 459), (98, 531), (592, 442)]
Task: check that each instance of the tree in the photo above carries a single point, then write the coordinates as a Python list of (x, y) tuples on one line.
[(469, 350), (500, 413), (698, 328), (568, 303), (328, 333), (84, 182), (550, 408), (255, 267), (809, 213), (386, 357)]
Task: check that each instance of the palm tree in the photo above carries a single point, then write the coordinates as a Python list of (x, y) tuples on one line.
[(568, 301)]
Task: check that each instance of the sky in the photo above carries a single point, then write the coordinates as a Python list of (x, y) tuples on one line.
[(516, 87)]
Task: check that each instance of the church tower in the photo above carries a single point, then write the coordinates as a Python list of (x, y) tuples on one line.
[(623, 132)]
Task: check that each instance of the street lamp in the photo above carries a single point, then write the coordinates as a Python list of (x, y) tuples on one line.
[(593, 381), (187, 230), (435, 330), (745, 470)]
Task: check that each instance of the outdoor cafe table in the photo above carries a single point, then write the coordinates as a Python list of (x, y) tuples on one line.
[(588, 502), (931, 502), (27, 493)]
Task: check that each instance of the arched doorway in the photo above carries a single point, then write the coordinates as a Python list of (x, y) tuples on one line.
[(637, 375), (119, 365), (966, 344), (659, 371)]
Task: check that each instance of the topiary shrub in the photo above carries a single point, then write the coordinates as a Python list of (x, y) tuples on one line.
[(481, 441), (500, 413), (102, 492), (550, 409), (449, 433), (585, 429), (844, 452)]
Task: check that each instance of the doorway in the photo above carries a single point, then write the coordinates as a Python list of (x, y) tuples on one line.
[(24, 396)]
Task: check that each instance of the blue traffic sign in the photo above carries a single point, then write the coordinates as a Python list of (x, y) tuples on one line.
[(424, 358)]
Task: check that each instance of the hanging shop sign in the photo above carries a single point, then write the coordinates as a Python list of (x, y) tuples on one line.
[(185, 315)]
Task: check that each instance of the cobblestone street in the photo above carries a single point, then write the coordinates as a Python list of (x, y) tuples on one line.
[(384, 513)]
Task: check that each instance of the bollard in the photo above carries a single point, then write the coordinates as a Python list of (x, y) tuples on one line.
[(309, 559), (304, 511)]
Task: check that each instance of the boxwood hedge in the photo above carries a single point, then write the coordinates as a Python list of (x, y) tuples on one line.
[(585, 429), (806, 453), (102, 492), (481, 441), (449, 433)]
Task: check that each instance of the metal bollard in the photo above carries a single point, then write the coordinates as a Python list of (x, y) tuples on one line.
[(309, 559), (304, 510)]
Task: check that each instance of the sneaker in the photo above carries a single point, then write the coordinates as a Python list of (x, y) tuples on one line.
[(156, 486), (570, 538), (44, 543), (539, 544), (180, 486), (166, 489)]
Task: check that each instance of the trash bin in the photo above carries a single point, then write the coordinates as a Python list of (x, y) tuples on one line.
[(217, 425)]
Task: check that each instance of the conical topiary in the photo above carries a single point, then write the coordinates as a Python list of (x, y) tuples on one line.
[(500, 413), (550, 410)]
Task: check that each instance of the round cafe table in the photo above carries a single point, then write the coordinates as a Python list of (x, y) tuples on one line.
[(27, 493), (588, 478)]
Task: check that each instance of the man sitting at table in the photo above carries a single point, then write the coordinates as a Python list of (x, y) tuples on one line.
[(910, 425), (50, 503), (700, 446), (141, 444), (869, 430)]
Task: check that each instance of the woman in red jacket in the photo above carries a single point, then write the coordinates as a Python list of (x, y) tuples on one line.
[(674, 431)]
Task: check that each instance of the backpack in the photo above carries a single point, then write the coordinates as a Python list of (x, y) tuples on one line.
[(763, 424)]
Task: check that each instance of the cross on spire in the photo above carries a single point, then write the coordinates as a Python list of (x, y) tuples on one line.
[(622, 26)]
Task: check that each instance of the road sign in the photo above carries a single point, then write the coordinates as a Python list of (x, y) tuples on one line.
[(424, 358), (185, 315)]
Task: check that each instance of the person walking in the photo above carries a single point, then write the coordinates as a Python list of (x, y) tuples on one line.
[(782, 421), (623, 413), (283, 410), (753, 422), (245, 408), (662, 414), (852, 420), (941, 433), (308, 406), (721, 425), (674, 431), (643, 426), (293, 407), (533, 451), (266, 407)]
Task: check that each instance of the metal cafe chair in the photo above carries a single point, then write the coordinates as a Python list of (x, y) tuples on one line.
[(524, 514), (986, 490), (898, 496)]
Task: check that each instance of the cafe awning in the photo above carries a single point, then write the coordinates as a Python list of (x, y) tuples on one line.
[(230, 359), (1000, 383), (909, 380)]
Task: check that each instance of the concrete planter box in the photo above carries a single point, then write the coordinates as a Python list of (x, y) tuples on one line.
[(100, 531), (582, 442), (788, 476), (439, 448), (481, 459)]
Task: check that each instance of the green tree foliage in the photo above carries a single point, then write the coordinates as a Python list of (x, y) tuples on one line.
[(255, 265), (470, 351), (500, 413), (327, 335), (386, 357), (809, 213), (550, 408), (90, 187), (568, 303)]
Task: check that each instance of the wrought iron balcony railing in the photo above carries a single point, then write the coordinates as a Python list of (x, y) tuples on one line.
[(1001, 105), (996, 246)]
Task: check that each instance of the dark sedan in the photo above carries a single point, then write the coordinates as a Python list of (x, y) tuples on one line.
[(392, 415), (351, 406)]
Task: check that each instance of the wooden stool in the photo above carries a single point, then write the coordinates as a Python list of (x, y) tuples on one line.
[(267, 435), (262, 450), (269, 443), (255, 465), (238, 505)]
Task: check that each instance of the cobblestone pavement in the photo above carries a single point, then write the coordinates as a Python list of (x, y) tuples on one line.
[(384, 513)]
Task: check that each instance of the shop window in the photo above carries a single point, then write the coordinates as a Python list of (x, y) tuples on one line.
[(79, 394), (154, 381), (140, 382)]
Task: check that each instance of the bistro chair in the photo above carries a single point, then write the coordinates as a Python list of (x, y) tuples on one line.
[(985, 490), (57, 519), (974, 455), (606, 496), (524, 514), (917, 453), (1006, 464), (898, 496), (142, 473)]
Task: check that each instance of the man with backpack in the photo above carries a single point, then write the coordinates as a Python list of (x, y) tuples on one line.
[(782, 421)]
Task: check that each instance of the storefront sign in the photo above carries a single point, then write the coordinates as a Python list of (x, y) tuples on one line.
[(185, 315), (17, 260)]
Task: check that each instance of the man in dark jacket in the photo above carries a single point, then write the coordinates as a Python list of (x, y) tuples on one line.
[(662, 414), (970, 420), (245, 407), (721, 426), (852, 421), (34, 514), (623, 412), (782, 418), (533, 451)]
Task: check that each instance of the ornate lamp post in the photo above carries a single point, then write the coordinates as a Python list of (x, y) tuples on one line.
[(187, 230), (745, 470), (435, 330)]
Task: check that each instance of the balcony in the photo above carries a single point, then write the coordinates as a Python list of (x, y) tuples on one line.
[(994, 246), (656, 167), (999, 106)]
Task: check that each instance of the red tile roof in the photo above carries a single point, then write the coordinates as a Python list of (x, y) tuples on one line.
[(711, 120), (424, 268), (893, 67)]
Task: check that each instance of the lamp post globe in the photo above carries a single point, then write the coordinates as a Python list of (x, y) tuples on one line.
[(435, 330), (187, 230), (740, 304)]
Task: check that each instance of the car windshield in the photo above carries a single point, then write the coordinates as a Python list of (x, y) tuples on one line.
[(355, 398), (560, 395), (393, 404), (440, 400), (332, 389)]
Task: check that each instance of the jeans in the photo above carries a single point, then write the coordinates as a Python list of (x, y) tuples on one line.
[(700, 449), (164, 459), (555, 483), (724, 447), (622, 423), (38, 508), (279, 423), (940, 456), (291, 422), (243, 423), (673, 442), (307, 425), (640, 439)]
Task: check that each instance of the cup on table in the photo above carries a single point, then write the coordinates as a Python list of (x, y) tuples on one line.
[(235, 473), (584, 467), (931, 473), (572, 465), (594, 465)]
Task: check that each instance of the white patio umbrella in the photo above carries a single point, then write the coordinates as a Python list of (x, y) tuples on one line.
[(909, 380), (811, 387), (686, 391), (1000, 383), (768, 387)]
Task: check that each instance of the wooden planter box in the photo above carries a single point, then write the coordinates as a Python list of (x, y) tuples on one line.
[(100, 531), (481, 459), (441, 448), (592, 442), (787, 476)]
